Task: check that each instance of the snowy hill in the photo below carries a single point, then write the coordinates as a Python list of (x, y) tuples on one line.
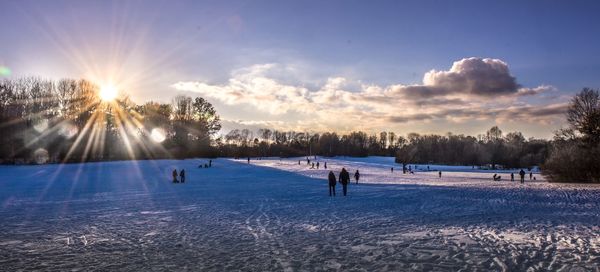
[(274, 214)]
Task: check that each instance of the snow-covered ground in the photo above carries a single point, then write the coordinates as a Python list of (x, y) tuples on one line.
[(276, 215)]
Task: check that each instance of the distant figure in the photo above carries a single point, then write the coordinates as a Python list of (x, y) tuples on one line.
[(409, 168), (298, 162), (356, 176), (331, 183), (392, 169), (344, 180), (325, 165), (522, 174), (209, 163), (403, 168), (182, 175), (312, 166), (496, 177), (512, 176), (427, 167), (205, 165), (248, 159), (307, 161), (440, 174), (317, 165), (175, 176), (530, 175)]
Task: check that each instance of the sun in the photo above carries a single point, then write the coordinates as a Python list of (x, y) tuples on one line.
[(108, 93)]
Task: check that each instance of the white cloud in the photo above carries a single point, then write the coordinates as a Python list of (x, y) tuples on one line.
[(473, 88)]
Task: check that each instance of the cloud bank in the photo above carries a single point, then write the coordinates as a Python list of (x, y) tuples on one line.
[(472, 89)]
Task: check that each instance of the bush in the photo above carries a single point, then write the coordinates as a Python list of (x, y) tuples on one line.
[(573, 162)]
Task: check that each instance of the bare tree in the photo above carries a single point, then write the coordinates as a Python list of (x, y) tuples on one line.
[(584, 114)]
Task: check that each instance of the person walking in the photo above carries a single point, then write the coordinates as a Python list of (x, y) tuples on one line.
[(392, 169), (331, 183), (522, 174), (175, 176), (530, 175), (317, 165), (440, 174), (512, 176), (248, 160), (325, 165), (209, 163), (182, 175), (344, 180), (356, 176)]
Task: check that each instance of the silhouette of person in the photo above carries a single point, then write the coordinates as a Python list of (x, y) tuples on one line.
[(248, 159), (331, 183), (530, 175), (512, 176), (175, 176), (522, 174), (325, 165), (312, 166), (344, 180), (182, 175), (440, 174), (209, 163), (317, 165), (392, 169), (356, 176), (298, 162)]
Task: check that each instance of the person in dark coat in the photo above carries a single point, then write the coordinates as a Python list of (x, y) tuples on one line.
[(392, 169), (317, 165), (356, 176), (522, 174), (440, 173), (512, 176), (209, 163), (331, 183), (175, 176), (344, 180), (248, 159), (530, 175), (325, 165), (182, 175)]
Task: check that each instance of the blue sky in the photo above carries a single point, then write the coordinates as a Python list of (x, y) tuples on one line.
[(341, 50)]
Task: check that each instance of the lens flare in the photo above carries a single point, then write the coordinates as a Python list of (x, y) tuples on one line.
[(41, 156), (68, 130), (4, 71), (41, 125), (158, 135)]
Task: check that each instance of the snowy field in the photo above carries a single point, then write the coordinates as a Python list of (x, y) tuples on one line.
[(274, 215)]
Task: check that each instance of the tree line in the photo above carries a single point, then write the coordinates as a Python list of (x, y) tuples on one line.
[(493, 148)]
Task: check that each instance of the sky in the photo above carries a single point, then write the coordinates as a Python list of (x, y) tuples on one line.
[(402, 66)]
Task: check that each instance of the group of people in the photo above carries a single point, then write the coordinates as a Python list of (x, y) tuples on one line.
[(181, 176), (343, 178), (206, 165), (312, 165), (522, 175)]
